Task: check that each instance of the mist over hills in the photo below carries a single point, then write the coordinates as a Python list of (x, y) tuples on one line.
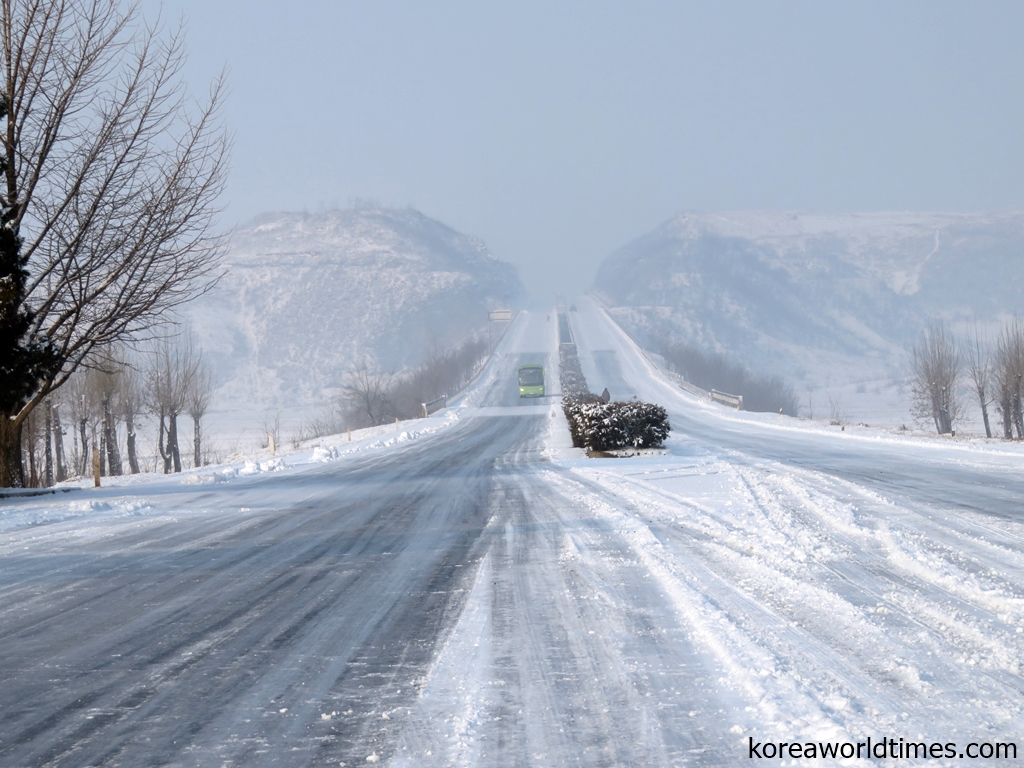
[(306, 297), (816, 297)]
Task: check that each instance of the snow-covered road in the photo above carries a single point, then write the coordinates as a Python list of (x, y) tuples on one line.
[(485, 595)]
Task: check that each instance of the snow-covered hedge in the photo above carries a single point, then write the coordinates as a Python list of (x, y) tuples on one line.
[(570, 374), (604, 426), (571, 405)]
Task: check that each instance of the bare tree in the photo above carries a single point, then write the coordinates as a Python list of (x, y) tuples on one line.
[(936, 363), (31, 444), (130, 402), (58, 441), (173, 365), (836, 410), (197, 401), (978, 361), (271, 427), (1009, 375), (81, 399), (110, 180), (103, 377), (76, 394), (47, 448), (365, 393)]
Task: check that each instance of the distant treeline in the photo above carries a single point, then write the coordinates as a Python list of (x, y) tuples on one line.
[(709, 370), (370, 397), (442, 374)]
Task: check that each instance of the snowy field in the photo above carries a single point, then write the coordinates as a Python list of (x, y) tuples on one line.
[(471, 590)]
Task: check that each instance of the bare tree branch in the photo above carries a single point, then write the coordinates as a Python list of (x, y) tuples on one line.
[(111, 175), (937, 363), (1009, 375), (365, 392), (978, 361), (174, 364), (197, 401)]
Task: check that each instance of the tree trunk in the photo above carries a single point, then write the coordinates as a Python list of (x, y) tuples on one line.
[(984, 413), (47, 449), (103, 451), (945, 422), (58, 444), (11, 473), (33, 477), (75, 463), (165, 448), (110, 433), (86, 462), (196, 444), (1018, 417), (1007, 417), (172, 440), (133, 459)]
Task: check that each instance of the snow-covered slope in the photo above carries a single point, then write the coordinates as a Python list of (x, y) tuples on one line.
[(817, 297), (305, 297)]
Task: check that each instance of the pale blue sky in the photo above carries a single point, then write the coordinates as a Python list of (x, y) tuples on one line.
[(557, 132)]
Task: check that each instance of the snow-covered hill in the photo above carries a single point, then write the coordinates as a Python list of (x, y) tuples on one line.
[(305, 297), (818, 298)]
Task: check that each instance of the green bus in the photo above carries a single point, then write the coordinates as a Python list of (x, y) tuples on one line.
[(531, 380)]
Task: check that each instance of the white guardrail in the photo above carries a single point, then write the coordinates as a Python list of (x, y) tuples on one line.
[(736, 401), (433, 406)]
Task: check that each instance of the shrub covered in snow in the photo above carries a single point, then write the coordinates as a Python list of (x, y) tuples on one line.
[(604, 426), (570, 374), (571, 405)]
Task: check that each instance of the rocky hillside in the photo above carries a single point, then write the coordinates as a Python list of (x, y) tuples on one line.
[(304, 297), (814, 297)]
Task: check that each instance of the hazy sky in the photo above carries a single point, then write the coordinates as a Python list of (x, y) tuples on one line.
[(557, 132)]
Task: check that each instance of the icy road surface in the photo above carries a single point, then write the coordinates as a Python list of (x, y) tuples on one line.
[(485, 595)]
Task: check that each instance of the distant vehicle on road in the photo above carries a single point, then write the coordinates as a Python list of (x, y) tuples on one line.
[(531, 380), (572, 307)]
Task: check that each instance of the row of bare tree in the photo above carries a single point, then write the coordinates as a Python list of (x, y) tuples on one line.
[(710, 370), (993, 372), (105, 402), (372, 397)]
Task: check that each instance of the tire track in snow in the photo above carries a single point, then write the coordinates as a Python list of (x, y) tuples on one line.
[(850, 647), (224, 641), (584, 660)]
